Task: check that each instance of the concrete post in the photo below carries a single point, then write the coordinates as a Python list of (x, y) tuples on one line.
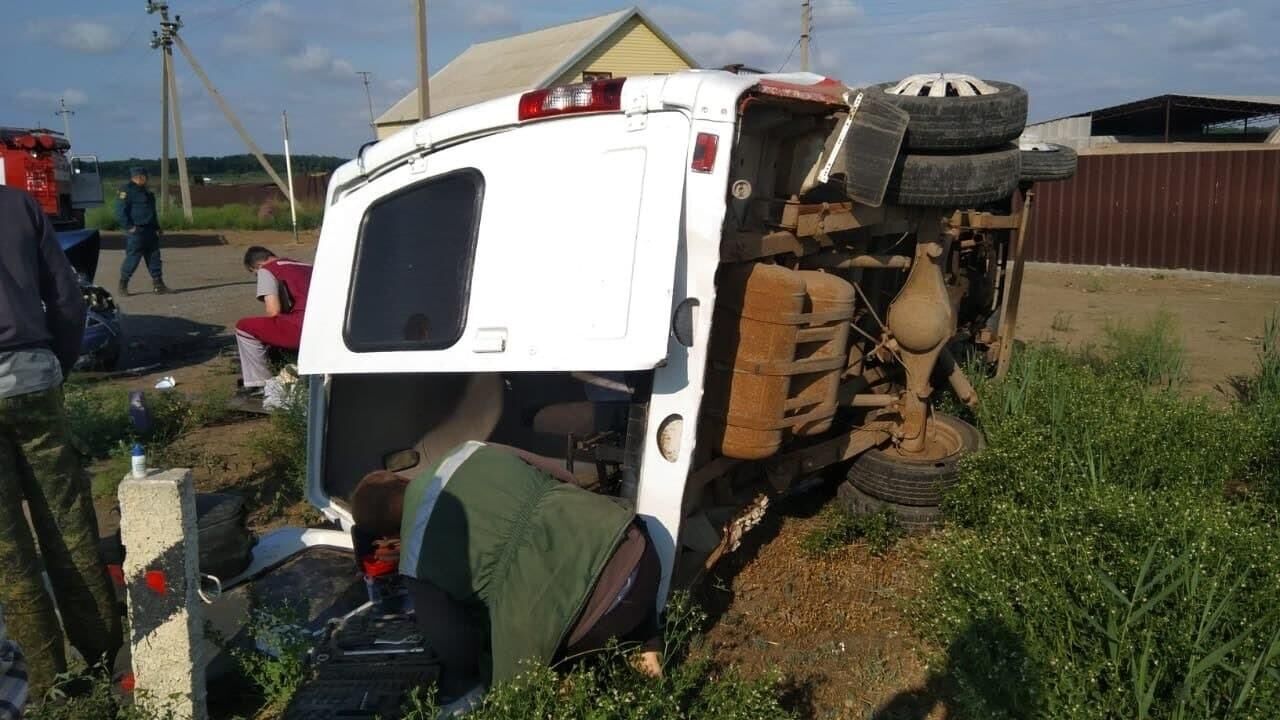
[(161, 570)]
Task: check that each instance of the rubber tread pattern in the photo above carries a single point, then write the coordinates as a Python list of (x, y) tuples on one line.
[(962, 123)]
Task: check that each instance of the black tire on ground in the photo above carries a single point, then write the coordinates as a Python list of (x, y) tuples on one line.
[(226, 543), (955, 181), (887, 475), (962, 123), (1057, 163), (912, 519)]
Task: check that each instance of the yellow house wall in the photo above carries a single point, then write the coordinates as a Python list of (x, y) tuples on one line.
[(632, 50)]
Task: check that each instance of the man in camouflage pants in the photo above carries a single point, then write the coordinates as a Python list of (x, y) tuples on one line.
[(42, 316)]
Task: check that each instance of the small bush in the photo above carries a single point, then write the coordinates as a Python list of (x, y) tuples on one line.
[(281, 668), (284, 445), (1152, 353), (839, 528), (222, 217)]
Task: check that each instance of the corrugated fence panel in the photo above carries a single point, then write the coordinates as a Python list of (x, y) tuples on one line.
[(1217, 211)]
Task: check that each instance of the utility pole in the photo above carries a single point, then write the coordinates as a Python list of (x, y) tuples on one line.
[(806, 26), (66, 113), (364, 74), (163, 41), (424, 94), (164, 130)]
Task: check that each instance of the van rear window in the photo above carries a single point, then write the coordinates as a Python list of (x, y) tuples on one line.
[(412, 277)]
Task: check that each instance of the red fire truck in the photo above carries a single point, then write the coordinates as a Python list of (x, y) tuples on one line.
[(37, 160)]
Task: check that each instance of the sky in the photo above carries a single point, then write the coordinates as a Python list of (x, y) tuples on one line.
[(267, 56)]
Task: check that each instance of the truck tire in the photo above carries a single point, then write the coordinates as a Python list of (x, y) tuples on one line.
[(913, 519), (955, 181), (225, 541), (1045, 162), (961, 123), (889, 476)]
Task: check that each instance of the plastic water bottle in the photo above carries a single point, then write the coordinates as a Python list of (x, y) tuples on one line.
[(138, 461)]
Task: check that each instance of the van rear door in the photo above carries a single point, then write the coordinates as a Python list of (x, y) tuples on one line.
[(550, 246)]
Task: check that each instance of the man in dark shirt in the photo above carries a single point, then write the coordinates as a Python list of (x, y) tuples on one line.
[(42, 315), (136, 213)]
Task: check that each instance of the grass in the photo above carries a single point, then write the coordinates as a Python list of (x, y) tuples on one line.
[(1061, 322), (284, 445), (1112, 552), (223, 217), (101, 424), (839, 528), (607, 687), (1152, 354), (277, 675)]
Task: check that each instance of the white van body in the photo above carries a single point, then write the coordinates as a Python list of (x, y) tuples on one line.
[(593, 229)]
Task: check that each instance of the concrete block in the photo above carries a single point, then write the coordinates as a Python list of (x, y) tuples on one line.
[(161, 570)]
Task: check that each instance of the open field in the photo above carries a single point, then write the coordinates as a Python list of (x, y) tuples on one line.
[(1094, 481)]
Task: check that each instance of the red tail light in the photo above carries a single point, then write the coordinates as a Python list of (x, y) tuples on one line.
[(593, 97), (704, 153)]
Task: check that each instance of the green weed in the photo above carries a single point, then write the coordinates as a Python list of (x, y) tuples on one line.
[(1098, 565), (91, 696), (839, 528), (1152, 353), (223, 217), (281, 669), (1061, 322), (284, 444), (607, 687)]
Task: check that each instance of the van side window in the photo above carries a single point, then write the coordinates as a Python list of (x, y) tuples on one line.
[(411, 281)]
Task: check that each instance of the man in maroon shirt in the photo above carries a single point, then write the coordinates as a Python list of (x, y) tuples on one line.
[(282, 287)]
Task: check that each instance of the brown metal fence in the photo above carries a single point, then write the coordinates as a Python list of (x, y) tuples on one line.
[(1217, 211)]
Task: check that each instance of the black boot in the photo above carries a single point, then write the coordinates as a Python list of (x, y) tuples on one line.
[(123, 289), (160, 287)]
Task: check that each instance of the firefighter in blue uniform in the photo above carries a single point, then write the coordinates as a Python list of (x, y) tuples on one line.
[(138, 218)]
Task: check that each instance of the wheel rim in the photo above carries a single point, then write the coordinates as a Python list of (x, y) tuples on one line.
[(942, 85), (942, 443)]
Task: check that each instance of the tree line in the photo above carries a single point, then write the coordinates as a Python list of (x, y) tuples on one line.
[(204, 166)]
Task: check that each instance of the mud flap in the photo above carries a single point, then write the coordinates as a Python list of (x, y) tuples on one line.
[(863, 148)]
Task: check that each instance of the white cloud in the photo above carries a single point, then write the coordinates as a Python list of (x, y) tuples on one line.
[(736, 46), (317, 60), (978, 49), (81, 36), (676, 16), (494, 16), (1214, 32), (270, 28), (1233, 60), (36, 99)]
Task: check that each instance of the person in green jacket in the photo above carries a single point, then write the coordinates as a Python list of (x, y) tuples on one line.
[(508, 562)]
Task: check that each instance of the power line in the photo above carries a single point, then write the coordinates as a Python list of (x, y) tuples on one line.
[(793, 52)]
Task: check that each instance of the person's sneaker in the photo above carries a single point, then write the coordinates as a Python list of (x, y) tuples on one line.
[(123, 289), (161, 288)]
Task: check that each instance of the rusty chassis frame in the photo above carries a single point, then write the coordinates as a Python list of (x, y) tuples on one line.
[(921, 322)]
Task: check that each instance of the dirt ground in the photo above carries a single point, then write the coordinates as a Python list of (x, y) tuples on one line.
[(834, 625), (1220, 317)]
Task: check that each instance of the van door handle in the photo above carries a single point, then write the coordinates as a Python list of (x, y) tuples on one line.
[(490, 340)]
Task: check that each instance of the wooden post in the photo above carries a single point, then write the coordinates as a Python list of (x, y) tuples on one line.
[(1013, 288)]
